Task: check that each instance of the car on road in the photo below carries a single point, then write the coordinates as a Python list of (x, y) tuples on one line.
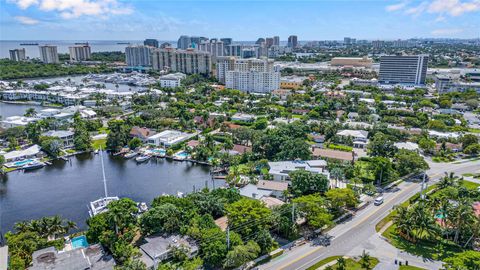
[(378, 201)]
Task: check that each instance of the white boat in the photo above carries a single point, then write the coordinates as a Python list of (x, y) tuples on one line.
[(142, 158), (99, 206), (33, 165), (179, 194), (142, 207), (130, 154), (95, 152)]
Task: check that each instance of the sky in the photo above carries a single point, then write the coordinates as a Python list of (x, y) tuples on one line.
[(240, 20)]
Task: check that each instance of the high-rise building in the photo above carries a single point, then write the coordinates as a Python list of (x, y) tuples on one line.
[(49, 54), (226, 41), (377, 44), (80, 52), (248, 75), (347, 41), (184, 42), (138, 56), (260, 41), (188, 61), (17, 54), (402, 43), (269, 42), (276, 40), (151, 42), (165, 45), (292, 42), (214, 47), (403, 69)]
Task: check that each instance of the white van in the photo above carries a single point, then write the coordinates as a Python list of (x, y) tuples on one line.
[(378, 201)]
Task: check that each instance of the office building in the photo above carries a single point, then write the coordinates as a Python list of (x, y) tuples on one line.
[(403, 69), (151, 42), (352, 61), (226, 41), (453, 83), (402, 44), (188, 61), (138, 56), (184, 42), (377, 44), (49, 54), (276, 40), (214, 47), (17, 54), (268, 42), (292, 42), (80, 52), (248, 75)]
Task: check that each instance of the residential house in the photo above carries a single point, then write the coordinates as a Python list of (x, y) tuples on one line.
[(168, 138), (280, 169), (359, 137), (159, 248), (141, 132), (92, 258), (333, 154), (64, 135)]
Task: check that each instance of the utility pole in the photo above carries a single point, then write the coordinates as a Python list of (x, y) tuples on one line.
[(293, 213)]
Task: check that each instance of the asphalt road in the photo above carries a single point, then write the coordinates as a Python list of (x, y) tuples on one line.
[(357, 234)]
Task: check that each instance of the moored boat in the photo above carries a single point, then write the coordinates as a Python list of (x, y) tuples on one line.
[(33, 165), (130, 154), (142, 158)]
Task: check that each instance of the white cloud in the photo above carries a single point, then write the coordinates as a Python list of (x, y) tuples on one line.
[(440, 7), (396, 7), (26, 20), (453, 7), (70, 9), (447, 31)]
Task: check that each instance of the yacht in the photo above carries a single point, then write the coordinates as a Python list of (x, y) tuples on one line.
[(100, 206), (33, 165), (142, 158), (130, 154)]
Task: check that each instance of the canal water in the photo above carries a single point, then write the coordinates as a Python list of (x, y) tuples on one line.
[(9, 109), (66, 187)]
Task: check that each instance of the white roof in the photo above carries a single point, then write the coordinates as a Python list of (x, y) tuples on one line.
[(353, 133), (31, 151), (406, 145)]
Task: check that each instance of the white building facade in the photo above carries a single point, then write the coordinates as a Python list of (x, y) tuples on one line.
[(49, 54)]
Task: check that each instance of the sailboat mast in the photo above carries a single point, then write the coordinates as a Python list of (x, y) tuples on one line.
[(103, 172)]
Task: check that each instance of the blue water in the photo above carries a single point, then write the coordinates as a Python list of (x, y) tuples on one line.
[(79, 242), (183, 154), (23, 162)]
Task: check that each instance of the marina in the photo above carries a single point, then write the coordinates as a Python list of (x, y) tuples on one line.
[(67, 187)]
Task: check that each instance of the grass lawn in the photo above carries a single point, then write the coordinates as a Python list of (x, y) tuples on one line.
[(103, 130), (474, 130), (99, 143), (355, 265), (470, 185), (409, 267), (323, 262)]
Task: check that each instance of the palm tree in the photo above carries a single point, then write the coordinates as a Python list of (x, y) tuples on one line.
[(341, 264), (365, 260), (448, 180), (462, 218), (337, 174), (403, 222)]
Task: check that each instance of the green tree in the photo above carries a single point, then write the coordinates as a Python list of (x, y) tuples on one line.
[(134, 143), (241, 254), (382, 169), (341, 264), (51, 145), (365, 260), (407, 161), (305, 182), (427, 145), (469, 259), (468, 139), (381, 145), (313, 208), (294, 149), (264, 240), (81, 137), (118, 136), (472, 149), (165, 218), (132, 265), (341, 197), (248, 216)]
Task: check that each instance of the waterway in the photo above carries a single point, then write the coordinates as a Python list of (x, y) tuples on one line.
[(8, 109), (66, 188)]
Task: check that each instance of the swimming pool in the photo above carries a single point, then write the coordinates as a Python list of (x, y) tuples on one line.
[(79, 242), (182, 154), (22, 162)]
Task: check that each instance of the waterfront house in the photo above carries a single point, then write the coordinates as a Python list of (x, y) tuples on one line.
[(30, 152), (277, 188), (92, 258), (243, 117), (17, 121), (280, 169), (168, 138), (64, 135), (158, 248), (141, 132)]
